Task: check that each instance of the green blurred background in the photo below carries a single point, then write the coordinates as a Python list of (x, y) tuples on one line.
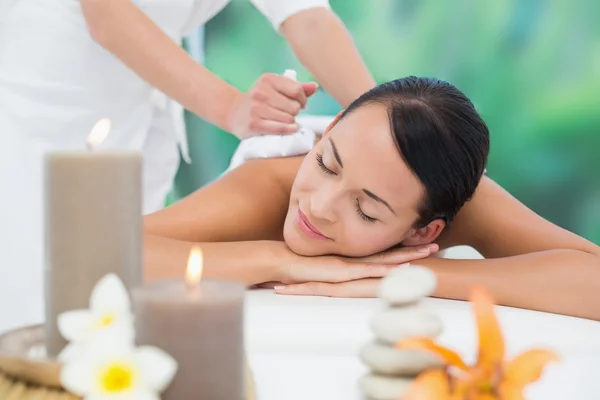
[(531, 67)]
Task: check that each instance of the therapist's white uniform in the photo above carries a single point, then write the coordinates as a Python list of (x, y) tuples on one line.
[(55, 83)]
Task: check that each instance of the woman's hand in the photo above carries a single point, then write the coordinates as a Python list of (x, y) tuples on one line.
[(359, 288), (270, 107), (295, 269)]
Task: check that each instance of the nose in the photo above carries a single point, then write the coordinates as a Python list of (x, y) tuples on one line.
[(322, 203)]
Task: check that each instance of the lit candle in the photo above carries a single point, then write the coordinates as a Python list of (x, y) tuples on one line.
[(200, 324), (93, 224)]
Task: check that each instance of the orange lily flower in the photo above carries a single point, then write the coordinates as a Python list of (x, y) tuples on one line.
[(491, 378)]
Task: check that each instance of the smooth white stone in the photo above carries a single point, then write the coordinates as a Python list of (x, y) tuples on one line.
[(388, 360), (407, 285), (378, 387), (394, 324)]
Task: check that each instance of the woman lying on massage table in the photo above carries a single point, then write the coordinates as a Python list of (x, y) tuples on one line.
[(398, 176)]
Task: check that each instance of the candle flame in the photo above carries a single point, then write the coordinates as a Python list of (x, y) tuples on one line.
[(98, 133), (194, 267)]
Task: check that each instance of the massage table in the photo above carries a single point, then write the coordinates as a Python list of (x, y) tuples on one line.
[(307, 347)]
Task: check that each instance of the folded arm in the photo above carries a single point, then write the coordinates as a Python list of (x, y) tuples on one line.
[(530, 262), (236, 220)]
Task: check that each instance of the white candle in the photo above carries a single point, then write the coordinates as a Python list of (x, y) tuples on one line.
[(93, 225)]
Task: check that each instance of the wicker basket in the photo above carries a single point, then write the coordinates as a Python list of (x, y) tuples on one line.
[(26, 375)]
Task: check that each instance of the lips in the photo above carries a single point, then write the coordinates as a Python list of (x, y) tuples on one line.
[(307, 228)]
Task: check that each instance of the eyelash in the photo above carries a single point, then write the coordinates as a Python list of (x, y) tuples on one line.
[(362, 214), (322, 165), (359, 211)]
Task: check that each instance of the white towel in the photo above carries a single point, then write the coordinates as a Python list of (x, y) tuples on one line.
[(268, 146)]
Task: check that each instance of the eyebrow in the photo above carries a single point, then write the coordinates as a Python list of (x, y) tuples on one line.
[(367, 192), (335, 153), (378, 199)]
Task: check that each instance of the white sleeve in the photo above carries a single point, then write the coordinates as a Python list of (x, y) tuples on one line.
[(277, 11)]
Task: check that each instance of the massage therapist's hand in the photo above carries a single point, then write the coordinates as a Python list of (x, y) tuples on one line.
[(270, 106), (302, 272)]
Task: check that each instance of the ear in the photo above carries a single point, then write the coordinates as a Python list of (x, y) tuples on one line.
[(332, 123), (424, 235)]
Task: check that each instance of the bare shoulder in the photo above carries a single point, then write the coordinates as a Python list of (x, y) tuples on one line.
[(248, 203), (498, 225)]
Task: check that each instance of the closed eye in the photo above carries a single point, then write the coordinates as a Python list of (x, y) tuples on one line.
[(364, 216), (323, 166)]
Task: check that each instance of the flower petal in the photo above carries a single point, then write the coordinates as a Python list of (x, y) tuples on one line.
[(101, 396), (511, 392), (123, 327), (75, 325), (448, 356), (77, 376), (491, 342), (133, 395), (430, 385), (110, 295), (109, 344), (528, 366), (70, 352), (484, 396), (157, 367), (143, 394)]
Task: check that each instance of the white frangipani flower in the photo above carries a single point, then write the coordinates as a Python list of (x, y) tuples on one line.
[(111, 369), (110, 309)]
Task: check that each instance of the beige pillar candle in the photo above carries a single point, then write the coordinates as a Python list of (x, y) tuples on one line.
[(93, 225), (201, 326)]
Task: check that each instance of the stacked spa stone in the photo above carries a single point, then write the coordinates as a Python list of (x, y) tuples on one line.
[(393, 370)]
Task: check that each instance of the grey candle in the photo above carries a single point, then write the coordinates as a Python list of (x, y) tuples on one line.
[(201, 326), (93, 226)]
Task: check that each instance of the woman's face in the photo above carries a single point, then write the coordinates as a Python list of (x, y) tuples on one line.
[(353, 195)]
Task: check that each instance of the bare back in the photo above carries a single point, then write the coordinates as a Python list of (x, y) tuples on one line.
[(248, 203)]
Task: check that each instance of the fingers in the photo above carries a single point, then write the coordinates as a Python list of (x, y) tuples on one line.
[(402, 255), (265, 95), (273, 103), (263, 127), (354, 271), (266, 119), (273, 114), (288, 88), (359, 288), (310, 88), (267, 285), (306, 289), (335, 270)]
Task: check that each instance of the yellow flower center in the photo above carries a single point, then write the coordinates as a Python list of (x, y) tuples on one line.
[(117, 378), (104, 321)]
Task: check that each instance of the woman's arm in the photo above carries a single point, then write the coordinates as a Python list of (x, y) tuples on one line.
[(232, 219), (323, 45), (124, 30), (237, 221), (530, 262)]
